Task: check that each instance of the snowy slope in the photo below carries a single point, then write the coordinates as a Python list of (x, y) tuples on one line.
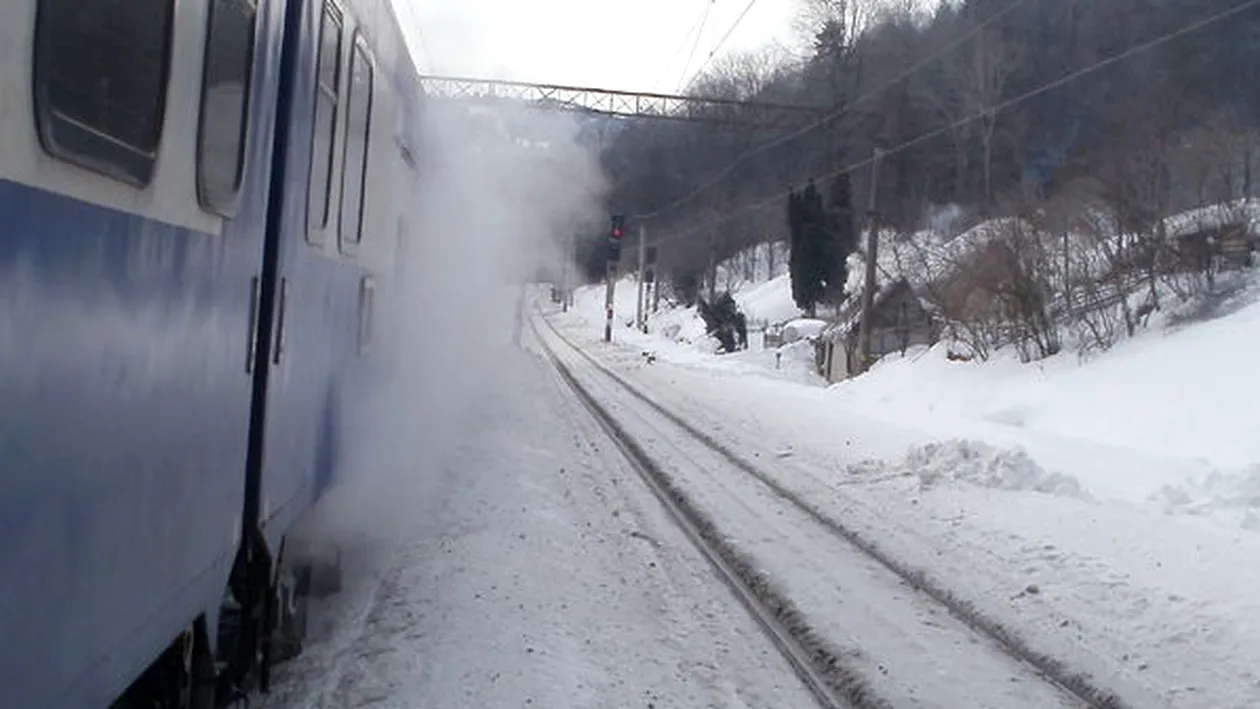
[(1171, 410), (1168, 415), (770, 300), (678, 335), (1182, 400)]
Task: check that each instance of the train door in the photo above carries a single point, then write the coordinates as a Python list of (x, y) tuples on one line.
[(316, 215)]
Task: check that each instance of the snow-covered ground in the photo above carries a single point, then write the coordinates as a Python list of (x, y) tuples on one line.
[(1105, 508), (678, 334), (905, 648), (1170, 414), (532, 569)]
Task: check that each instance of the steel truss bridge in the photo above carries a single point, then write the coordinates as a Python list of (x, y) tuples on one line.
[(627, 104)]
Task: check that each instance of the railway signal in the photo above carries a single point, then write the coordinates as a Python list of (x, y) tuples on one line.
[(616, 232)]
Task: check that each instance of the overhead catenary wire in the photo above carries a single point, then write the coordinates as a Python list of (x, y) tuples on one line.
[(698, 25), (827, 118), (717, 47), (1000, 106), (704, 20)]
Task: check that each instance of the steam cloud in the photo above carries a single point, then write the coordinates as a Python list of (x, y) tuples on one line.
[(498, 191)]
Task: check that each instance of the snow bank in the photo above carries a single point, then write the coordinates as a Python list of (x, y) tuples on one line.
[(1156, 414), (1214, 216), (770, 301), (1182, 399), (802, 328), (975, 463), (677, 334), (1234, 496)]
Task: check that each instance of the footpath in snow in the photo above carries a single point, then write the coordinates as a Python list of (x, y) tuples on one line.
[(533, 569), (1106, 508)]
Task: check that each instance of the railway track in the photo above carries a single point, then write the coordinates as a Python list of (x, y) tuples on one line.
[(828, 654), (815, 664)]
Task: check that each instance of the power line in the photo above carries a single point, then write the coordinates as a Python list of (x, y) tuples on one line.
[(1001, 106), (703, 21), (698, 24), (980, 27), (713, 52)]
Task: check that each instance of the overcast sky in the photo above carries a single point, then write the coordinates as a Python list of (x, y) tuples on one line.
[(633, 45)]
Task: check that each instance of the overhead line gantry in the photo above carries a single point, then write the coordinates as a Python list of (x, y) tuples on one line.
[(629, 104)]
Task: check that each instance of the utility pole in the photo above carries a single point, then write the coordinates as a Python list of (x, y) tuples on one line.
[(614, 255), (651, 283), (640, 320), (572, 282), (568, 260), (713, 263), (872, 252), (1067, 274), (563, 275), (518, 325), (610, 278)]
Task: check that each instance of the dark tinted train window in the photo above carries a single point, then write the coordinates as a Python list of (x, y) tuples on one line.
[(326, 100), (354, 172), (225, 103), (101, 71)]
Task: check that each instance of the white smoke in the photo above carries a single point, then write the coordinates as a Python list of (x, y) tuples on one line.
[(498, 191)]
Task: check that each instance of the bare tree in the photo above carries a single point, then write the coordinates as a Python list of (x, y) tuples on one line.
[(843, 20), (984, 73), (1134, 175)]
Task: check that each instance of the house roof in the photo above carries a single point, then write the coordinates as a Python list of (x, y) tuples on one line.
[(850, 316)]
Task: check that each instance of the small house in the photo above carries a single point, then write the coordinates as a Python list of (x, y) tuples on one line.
[(1231, 243), (901, 317)]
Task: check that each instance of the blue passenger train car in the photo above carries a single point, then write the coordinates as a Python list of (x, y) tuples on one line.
[(199, 201)]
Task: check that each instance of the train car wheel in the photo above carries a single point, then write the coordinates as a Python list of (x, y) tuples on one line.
[(181, 678)]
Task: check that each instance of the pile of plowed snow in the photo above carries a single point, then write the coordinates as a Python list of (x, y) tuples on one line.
[(975, 463), (1226, 494)]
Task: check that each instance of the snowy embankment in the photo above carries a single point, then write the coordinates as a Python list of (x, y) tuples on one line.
[(1168, 416), (677, 334), (1107, 507)]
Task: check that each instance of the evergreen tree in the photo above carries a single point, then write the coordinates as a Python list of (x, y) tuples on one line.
[(724, 321), (844, 238), (813, 254), (796, 254), (815, 249), (821, 241)]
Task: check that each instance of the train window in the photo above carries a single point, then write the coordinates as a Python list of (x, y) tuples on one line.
[(327, 98), (101, 73), (354, 170), (225, 103)]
